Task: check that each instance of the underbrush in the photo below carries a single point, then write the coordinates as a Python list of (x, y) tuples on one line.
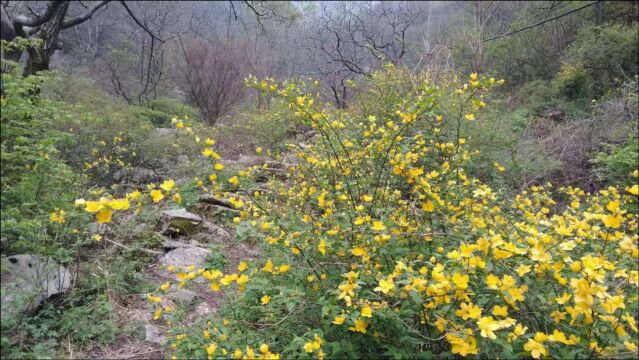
[(381, 244), (63, 140)]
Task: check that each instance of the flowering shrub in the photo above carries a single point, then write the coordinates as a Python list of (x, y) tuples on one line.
[(380, 244)]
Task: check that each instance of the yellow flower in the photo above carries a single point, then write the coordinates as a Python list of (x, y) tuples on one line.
[(535, 348), (177, 198), (308, 347), (268, 267), (263, 348), (428, 206), (462, 346), (135, 195), (360, 326), (209, 142), (265, 299), (321, 247), (378, 226), (168, 185), (104, 215), (210, 350), (158, 314), (119, 204), (93, 206), (500, 311), (470, 117), (358, 251), (367, 198), (523, 270), (165, 286), (258, 150), (367, 311), (613, 220), (207, 152), (461, 281), (242, 266), (97, 237), (632, 347), (385, 285), (156, 195), (218, 166), (339, 320), (634, 190), (487, 325), (468, 311), (284, 268), (234, 181)]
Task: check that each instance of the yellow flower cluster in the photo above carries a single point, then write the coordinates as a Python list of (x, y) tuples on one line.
[(405, 241)]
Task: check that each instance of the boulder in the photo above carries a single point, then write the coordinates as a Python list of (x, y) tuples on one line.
[(136, 176), (212, 233), (179, 222), (182, 296), (165, 132), (252, 160), (184, 256), (28, 280), (153, 335)]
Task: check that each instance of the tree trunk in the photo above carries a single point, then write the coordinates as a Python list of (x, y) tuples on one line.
[(8, 33), (40, 56)]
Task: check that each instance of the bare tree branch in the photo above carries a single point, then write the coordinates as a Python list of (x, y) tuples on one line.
[(84, 17)]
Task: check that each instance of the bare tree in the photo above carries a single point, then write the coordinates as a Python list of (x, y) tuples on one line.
[(44, 25), (213, 76), (353, 39)]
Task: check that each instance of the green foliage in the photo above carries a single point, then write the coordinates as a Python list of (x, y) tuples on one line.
[(615, 163), (160, 112), (269, 129), (605, 54), (35, 178), (574, 82), (380, 244)]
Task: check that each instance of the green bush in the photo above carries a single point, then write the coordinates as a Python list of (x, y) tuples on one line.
[(574, 82), (615, 163), (608, 54)]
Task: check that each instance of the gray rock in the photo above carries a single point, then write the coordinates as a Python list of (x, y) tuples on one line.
[(28, 280), (202, 310), (212, 233), (210, 199), (179, 222), (139, 229), (252, 160), (164, 132), (183, 257), (183, 158), (153, 335), (182, 296), (136, 175), (169, 244)]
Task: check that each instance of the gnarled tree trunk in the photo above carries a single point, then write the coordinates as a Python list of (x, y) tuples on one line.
[(40, 56)]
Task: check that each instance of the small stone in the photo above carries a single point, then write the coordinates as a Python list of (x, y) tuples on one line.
[(183, 257), (182, 296), (153, 335), (179, 222)]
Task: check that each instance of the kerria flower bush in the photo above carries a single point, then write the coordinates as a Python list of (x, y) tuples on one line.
[(379, 244)]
